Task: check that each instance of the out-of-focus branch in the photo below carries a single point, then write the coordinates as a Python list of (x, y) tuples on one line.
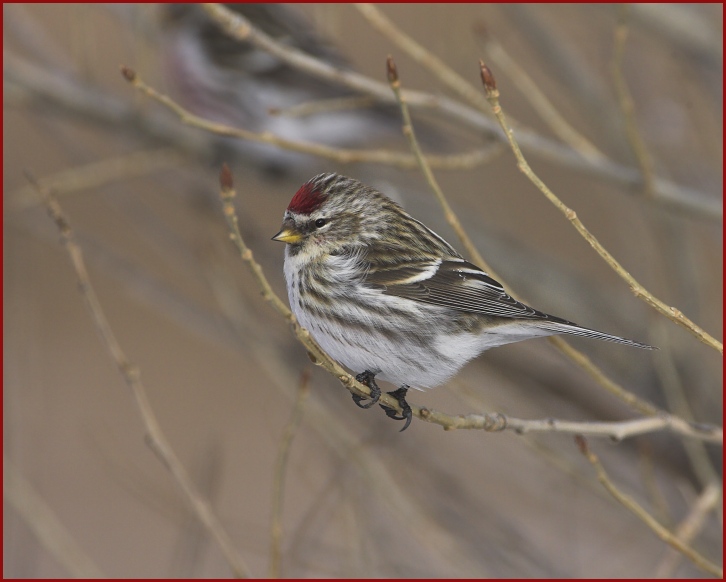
[(681, 25), (688, 529), (278, 489), (155, 437), (97, 174), (673, 390), (625, 100), (44, 523), (625, 499), (53, 92), (638, 290), (672, 195), (493, 422)]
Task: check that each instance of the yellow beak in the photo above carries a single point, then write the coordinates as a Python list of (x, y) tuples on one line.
[(287, 235)]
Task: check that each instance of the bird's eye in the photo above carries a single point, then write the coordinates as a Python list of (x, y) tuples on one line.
[(320, 222)]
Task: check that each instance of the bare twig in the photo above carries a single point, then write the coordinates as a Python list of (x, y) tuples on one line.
[(625, 499), (494, 422), (155, 438), (669, 194), (617, 431), (673, 390), (98, 173), (625, 100), (658, 502), (44, 523), (278, 489), (638, 290)]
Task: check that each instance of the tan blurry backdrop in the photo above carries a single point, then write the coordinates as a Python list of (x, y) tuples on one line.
[(221, 368)]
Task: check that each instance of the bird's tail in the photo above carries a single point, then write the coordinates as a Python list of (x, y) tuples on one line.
[(574, 329)]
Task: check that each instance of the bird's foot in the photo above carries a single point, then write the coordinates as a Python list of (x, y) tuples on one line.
[(400, 396), (367, 378)]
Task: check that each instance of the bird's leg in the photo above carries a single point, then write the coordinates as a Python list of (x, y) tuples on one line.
[(367, 378), (400, 396)]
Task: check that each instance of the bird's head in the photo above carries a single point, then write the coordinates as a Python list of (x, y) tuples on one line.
[(333, 212)]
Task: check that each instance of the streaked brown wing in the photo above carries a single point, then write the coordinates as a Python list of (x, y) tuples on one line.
[(453, 283)]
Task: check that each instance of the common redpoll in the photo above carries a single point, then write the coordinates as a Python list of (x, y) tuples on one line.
[(387, 297)]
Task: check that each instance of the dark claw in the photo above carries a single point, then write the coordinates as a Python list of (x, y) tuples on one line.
[(400, 396), (367, 378)]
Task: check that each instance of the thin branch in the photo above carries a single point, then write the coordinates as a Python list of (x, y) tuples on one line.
[(155, 438), (616, 430), (672, 195), (646, 464), (625, 499), (344, 156), (670, 380), (493, 422), (44, 523), (278, 488), (638, 290), (97, 174), (625, 100)]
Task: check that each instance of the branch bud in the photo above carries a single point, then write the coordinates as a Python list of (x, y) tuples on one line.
[(226, 181), (487, 77), (391, 70), (128, 73)]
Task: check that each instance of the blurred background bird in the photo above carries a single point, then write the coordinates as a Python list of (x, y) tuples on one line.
[(233, 82)]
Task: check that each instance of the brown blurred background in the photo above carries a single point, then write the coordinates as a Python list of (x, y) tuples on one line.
[(222, 369)]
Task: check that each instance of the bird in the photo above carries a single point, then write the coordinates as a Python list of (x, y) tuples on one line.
[(236, 83), (388, 298)]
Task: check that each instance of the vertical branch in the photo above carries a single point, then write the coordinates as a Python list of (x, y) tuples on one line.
[(46, 526), (278, 487), (625, 100), (155, 438)]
